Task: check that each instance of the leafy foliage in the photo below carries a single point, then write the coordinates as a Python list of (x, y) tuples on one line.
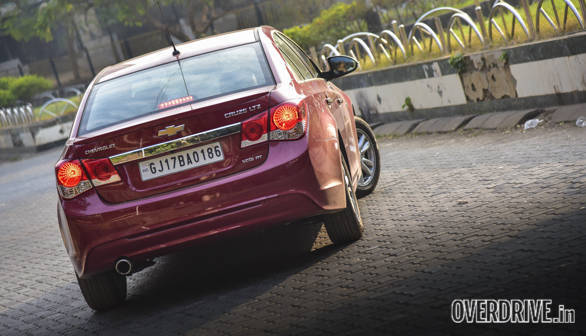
[(6, 98), (31, 18), (331, 25), (408, 104), (27, 19), (457, 62), (5, 82), (504, 57), (22, 88), (25, 87), (200, 14)]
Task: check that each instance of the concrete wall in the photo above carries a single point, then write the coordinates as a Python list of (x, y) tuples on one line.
[(539, 74), (101, 53), (13, 68), (19, 140), (551, 76)]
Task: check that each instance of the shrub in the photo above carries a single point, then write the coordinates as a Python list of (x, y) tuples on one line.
[(6, 98), (25, 87), (408, 104), (6, 82), (457, 62), (332, 24)]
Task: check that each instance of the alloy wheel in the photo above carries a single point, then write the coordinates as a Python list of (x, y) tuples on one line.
[(351, 196), (368, 160)]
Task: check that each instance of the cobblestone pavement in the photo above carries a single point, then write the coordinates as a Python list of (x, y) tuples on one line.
[(491, 215)]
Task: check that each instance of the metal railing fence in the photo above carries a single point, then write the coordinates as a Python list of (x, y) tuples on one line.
[(428, 35)]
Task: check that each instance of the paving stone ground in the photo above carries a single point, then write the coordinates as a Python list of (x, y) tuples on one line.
[(489, 215)]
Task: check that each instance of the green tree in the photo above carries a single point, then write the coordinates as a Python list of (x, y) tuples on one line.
[(331, 25), (199, 14), (26, 19)]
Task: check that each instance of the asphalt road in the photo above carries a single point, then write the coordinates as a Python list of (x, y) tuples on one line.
[(490, 215)]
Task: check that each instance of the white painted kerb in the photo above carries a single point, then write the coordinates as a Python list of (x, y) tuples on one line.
[(550, 76), (545, 77)]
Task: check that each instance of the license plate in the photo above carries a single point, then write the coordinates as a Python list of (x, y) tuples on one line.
[(180, 161)]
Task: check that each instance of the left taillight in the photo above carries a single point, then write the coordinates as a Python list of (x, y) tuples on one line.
[(72, 179), (101, 171)]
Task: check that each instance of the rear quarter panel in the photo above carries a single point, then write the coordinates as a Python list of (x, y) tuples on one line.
[(322, 130), (340, 117), (344, 116)]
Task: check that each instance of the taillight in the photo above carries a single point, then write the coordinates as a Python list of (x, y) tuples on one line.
[(71, 179), (101, 171), (288, 121), (254, 130), (69, 174), (285, 117)]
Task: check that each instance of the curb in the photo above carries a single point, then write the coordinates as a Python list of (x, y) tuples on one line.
[(397, 128), (502, 120), (442, 125), (569, 113), (486, 121)]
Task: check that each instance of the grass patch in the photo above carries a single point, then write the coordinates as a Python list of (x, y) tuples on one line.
[(58, 108)]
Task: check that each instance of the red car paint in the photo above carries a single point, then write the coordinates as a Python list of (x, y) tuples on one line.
[(264, 184)]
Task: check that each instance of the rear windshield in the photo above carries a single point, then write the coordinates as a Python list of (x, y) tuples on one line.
[(193, 79)]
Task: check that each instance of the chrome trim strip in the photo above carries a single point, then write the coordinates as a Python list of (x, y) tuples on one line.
[(171, 145)]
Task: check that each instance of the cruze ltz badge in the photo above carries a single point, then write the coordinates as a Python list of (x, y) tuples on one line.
[(242, 111)]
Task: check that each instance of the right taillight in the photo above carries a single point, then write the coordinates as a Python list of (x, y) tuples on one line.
[(285, 117), (288, 121), (71, 179)]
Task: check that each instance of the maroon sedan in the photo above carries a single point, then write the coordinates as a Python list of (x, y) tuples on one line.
[(235, 131)]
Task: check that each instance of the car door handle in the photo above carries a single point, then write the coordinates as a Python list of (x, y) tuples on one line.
[(329, 100)]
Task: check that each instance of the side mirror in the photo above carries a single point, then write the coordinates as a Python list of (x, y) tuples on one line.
[(339, 66)]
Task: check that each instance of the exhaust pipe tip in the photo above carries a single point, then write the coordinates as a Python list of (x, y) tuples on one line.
[(123, 266)]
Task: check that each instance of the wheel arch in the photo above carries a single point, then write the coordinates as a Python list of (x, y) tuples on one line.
[(343, 148)]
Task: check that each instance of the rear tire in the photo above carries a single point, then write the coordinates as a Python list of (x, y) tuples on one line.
[(369, 158), (103, 291), (345, 226)]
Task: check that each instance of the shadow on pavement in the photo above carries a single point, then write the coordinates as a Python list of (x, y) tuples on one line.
[(546, 262), (201, 276)]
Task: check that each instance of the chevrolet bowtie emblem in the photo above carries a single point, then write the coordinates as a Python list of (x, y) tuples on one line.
[(171, 130)]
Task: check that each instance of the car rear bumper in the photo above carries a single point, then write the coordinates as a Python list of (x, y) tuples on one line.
[(286, 187), (137, 248)]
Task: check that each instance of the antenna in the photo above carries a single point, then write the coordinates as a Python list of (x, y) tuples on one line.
[(169, 39)]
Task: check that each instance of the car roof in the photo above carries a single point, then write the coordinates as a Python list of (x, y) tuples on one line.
[(187, 49)]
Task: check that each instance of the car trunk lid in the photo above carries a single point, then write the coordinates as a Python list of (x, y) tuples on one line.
[(177, 124), (182, 147)]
